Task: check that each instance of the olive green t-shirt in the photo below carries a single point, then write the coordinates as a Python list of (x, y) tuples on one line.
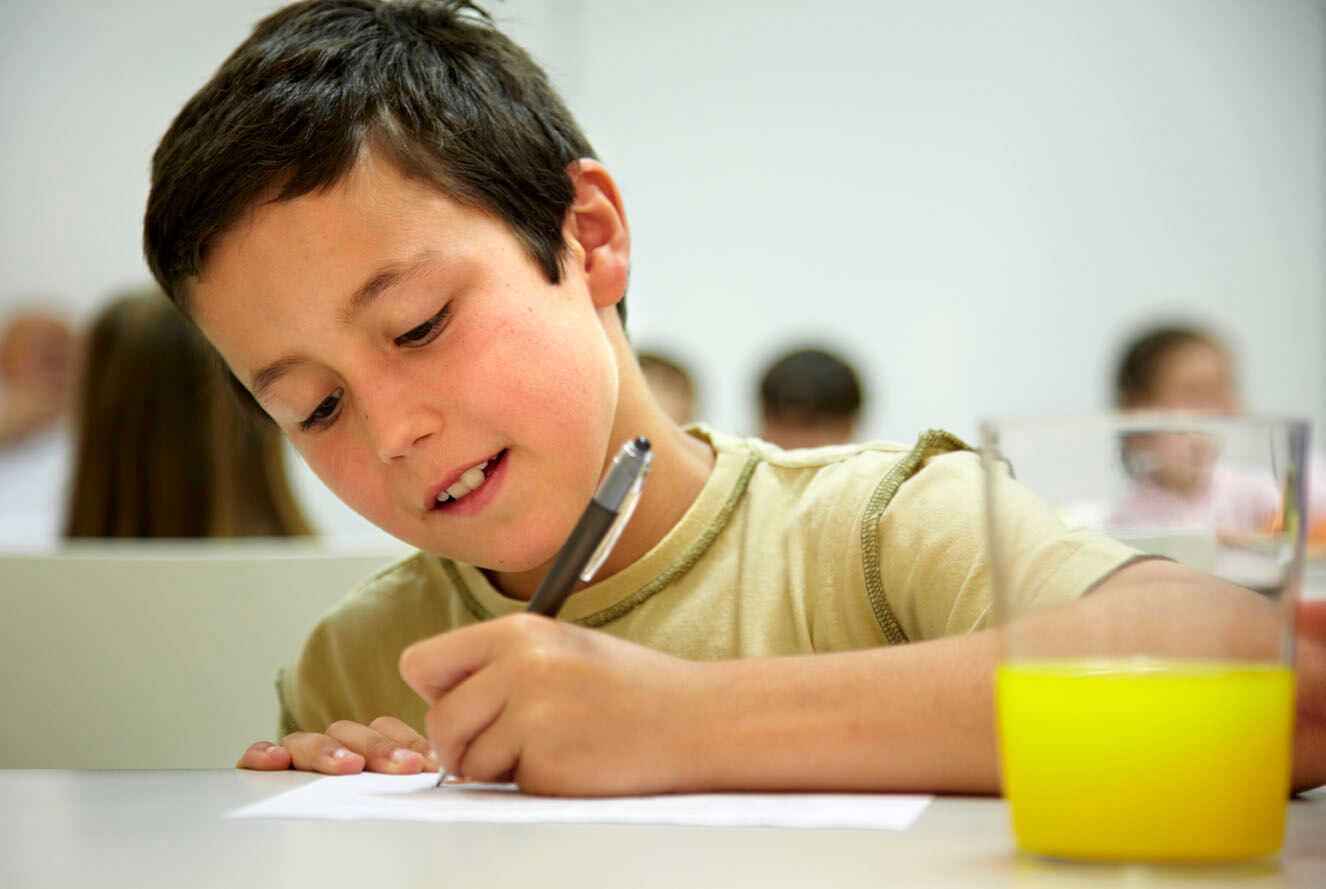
[(783, 552)]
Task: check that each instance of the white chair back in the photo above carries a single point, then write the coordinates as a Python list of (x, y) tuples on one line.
[(156, 656)]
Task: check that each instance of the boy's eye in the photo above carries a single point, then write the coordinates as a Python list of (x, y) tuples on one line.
[(424, 333), (324, 413)]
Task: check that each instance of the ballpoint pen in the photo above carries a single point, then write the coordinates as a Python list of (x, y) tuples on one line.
[(595, 534)]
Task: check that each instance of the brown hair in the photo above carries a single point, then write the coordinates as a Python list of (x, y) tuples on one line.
[(1142, 356), (433, 86), (164, 449), (809, 386)]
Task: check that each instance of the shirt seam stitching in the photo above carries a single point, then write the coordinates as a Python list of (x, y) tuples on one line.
[(683, 564), (879, 500)]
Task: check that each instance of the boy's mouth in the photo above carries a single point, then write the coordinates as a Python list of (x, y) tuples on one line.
[(469, 481)]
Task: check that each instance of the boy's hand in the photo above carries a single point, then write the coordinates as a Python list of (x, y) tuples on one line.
[(557, 708), (386, 745)]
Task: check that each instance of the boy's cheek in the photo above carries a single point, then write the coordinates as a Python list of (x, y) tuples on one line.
[(353, 481)]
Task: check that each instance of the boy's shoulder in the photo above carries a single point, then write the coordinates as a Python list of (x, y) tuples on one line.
[(846, 462), (414, 572), (833, 493), (395, 595), (828, 507)]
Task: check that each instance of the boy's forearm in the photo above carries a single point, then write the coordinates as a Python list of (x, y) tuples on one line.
[(916, 717), (921, 716)]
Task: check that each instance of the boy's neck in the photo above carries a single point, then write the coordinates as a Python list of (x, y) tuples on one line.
[(682, 464)]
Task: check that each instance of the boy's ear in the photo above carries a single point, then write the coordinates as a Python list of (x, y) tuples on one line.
[(596, 231)]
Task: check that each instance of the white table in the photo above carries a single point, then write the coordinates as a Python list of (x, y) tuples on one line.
[(165, 828)]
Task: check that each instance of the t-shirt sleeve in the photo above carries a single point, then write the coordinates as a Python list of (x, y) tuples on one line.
[(935, 556), (286, 723), (348, 666), (313, 692)]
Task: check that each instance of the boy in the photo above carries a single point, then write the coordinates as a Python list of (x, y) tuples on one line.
[(397, 238)]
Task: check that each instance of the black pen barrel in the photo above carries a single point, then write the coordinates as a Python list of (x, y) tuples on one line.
[(561, 577)]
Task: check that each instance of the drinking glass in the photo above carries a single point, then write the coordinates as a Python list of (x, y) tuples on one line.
[(1160, 732)]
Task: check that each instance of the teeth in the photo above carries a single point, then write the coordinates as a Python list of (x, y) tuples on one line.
[(469, 480)]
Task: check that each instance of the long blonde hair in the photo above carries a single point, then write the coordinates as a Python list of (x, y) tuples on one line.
[(165, 449)]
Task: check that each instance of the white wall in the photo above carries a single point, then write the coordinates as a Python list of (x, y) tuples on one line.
[(974, 199)]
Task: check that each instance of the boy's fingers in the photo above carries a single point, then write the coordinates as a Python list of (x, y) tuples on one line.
[(405, 736), (494, 755), (264, 756), (312, 752), (432, 667), (380, 753), (463, 715)]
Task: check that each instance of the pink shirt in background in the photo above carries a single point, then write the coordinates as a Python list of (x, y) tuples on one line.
[(1317, 487), (1237, 498)]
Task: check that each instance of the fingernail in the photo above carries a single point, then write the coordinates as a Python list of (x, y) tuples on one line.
[(400, 754), (340, 753)]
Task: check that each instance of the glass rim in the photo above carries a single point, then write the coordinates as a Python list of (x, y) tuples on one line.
[(1142, 420)]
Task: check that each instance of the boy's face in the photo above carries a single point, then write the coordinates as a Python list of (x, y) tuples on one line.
[(400, 340)]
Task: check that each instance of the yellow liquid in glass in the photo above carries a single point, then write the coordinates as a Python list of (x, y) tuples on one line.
[(1146, 759)]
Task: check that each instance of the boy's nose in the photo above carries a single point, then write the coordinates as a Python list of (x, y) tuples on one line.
[(396, 426)]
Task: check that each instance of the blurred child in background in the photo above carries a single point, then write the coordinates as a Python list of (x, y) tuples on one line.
[(809, 398), (1187, 368), (163, 446), (1176, 368), (36, 373), (37, 354), (671, 384)]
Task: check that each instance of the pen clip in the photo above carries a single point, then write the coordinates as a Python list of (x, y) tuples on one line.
[(619, 523)]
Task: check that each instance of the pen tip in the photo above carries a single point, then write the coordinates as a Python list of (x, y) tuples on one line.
[(642, 443)]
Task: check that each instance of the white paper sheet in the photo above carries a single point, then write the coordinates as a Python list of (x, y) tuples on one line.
[(414, 798)]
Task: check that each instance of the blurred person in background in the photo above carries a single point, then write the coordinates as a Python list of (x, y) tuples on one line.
[(671, 384), (1178, 367), (165, 447), (808, 398), (37, 354), (36, 374)]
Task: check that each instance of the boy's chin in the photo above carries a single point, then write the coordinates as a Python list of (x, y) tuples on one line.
[(489, 562)]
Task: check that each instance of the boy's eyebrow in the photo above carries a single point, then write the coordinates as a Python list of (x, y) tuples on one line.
[(263, 379), (385, 278)]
